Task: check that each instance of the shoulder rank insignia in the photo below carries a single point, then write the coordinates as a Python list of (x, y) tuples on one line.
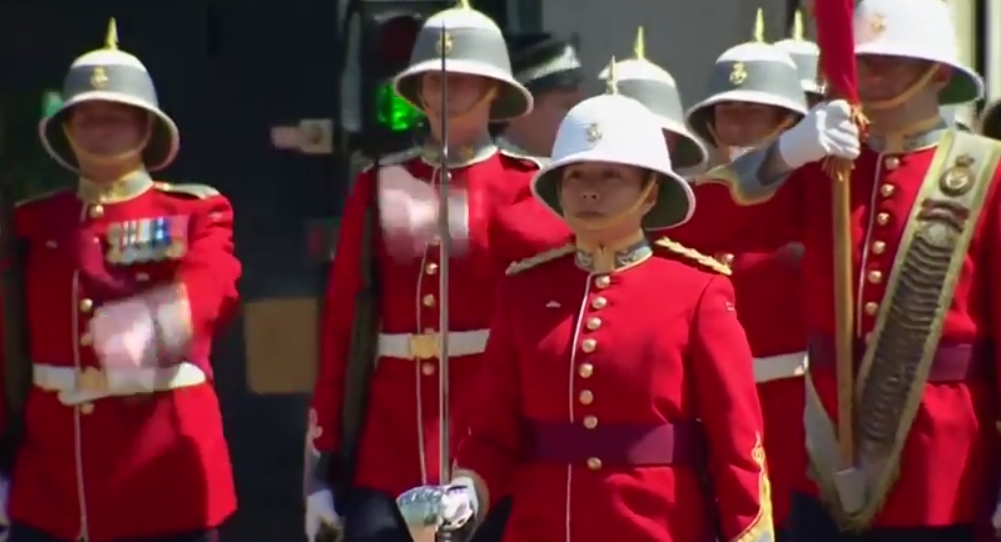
[(396, 158), (707, 262), (539, 259), (41, 197), (200, 191)]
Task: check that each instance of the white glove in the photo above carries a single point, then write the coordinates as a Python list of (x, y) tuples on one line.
[(827, 130), (320, 511), (4, 492), (459, 503)]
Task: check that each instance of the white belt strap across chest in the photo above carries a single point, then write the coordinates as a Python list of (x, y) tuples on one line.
[(76, 387), (425, 345), (791, 365)]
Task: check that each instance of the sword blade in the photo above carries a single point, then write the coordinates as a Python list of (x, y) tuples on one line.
[(445, 237)]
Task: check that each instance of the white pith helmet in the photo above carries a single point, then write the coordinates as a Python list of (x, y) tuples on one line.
[(752, 72), (473, 44), (919, 29), (806, 55), (110, 75), (615, 129), (653, 86)]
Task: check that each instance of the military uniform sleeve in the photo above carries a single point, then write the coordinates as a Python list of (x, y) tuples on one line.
[(209, 272), (727, 221), (727, 403), (343, 284), (489, 453)]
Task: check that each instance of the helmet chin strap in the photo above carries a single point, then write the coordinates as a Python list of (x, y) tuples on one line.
[(907, 94), (84, 155)]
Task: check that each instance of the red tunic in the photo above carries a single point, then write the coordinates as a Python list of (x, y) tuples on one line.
[(948, 458), (123, 467), (575, 350), (400, 441), (768, 288)]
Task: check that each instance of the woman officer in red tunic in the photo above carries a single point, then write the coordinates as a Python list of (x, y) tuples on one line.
[(617, 399)]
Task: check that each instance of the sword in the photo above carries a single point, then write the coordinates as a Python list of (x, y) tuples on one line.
[(445, 236), (420, 506)]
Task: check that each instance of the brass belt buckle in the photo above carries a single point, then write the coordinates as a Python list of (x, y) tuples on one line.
[(91, 380), (424, 346)]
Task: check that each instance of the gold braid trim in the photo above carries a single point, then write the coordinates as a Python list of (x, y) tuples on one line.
[(705, 261), (762, 529), (538, 259)]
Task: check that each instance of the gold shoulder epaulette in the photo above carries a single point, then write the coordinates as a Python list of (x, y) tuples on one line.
[(539, 161), (539, 259), (396, 158), (40, 197), (200, 191), (705, 261)]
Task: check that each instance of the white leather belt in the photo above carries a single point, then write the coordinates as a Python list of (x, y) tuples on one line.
[(425, 345), (76, 387), (793, 364)]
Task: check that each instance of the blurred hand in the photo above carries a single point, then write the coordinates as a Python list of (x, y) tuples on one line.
[(150, 329), (408, 209), (124, 334)]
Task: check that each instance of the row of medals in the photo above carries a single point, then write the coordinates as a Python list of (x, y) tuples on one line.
[(139, 241)]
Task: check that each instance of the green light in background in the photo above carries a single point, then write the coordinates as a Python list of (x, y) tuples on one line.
[(395, 113), (51, 102)]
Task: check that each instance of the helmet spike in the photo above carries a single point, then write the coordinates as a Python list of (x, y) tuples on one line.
[(464, 4), (759, 26), (111, 40), (612, 81), (639, 48), (797, 25)]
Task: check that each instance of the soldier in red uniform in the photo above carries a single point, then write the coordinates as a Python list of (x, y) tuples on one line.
[(617, 394), (399, 443), (753, 94), (747, 109), (127, 281), (924, 230)]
